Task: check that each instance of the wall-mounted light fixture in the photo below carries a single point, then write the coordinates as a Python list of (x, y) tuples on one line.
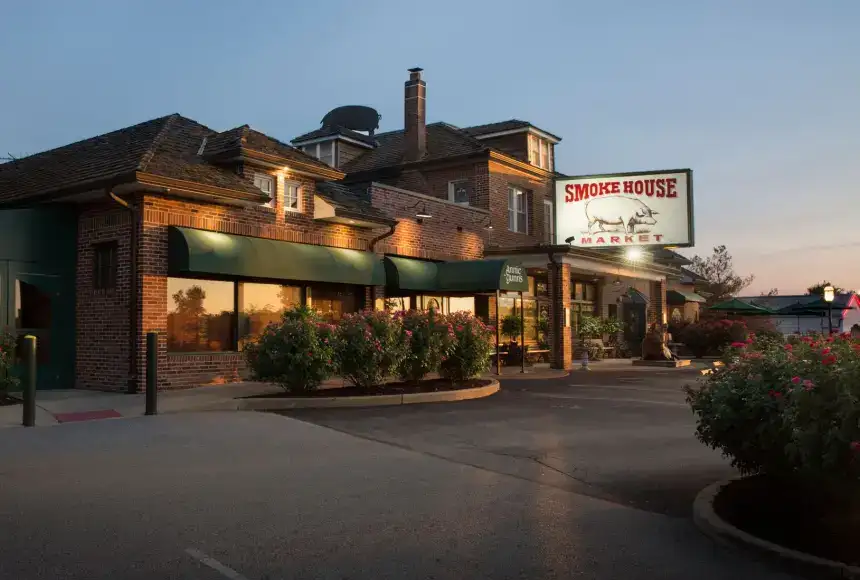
[(422, 213)]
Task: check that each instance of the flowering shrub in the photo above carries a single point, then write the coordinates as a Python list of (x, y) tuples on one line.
[(8, 382), (370, 347), (710, 337), (430, 341), (472, 348), (296, 353), (785, 407)]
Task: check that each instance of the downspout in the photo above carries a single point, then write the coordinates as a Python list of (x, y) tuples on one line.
[(131, 386), (370, 247)]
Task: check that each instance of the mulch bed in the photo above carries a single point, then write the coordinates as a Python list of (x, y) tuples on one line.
[(402, 388), (808, 516), (7, 401)]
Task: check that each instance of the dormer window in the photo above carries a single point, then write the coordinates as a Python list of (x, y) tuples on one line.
[(540, 152), (323, 151), (266, 184)]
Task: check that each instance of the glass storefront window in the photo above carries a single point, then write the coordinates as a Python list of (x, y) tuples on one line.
[(333, 301), (461, 303), (262, 304), (395, 304), (200, 315)]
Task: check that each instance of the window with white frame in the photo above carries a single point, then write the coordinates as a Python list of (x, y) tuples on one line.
[(540, 152), (292, 196), (517, 210), (266, 184), (323, 151), (548, 224), (458, 191)]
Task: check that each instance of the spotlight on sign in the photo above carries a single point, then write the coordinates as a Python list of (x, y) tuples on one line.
[(633, 254)]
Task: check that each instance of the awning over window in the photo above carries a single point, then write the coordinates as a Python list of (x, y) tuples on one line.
[(193, 251), (407, 275), (682, 296)]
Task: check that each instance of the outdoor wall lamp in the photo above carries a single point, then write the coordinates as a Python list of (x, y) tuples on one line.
[(421, 213), (633, 254), (829, 295)]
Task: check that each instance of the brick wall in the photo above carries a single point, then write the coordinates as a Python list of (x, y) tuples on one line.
[(500, 177), (436, 238), (102, 317), (435, 182), (560, 339)]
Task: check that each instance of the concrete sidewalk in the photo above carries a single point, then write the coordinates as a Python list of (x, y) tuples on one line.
[(71, 405)]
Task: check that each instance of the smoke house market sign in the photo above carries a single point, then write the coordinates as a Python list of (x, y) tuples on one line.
[(625, 209)]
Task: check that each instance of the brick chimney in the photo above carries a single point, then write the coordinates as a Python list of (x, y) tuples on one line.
[(415, 118)]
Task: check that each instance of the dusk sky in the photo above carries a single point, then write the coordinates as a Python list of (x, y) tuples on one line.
[(760, 98)]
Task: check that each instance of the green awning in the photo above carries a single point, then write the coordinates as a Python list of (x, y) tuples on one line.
[(482, 276), (409, 275), (193, 251), (735, 306), (682, 296)]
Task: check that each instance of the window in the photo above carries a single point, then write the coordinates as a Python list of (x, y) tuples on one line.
[(292, 196), (200, 315), (548, 224), (324, 151), (266, 184), (104, 265), (262, 304), (517, 210), (540, 152), (333, 301), (458, 191)]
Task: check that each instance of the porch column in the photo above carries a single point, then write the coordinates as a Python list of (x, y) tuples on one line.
[(657, 304), (561, 344)]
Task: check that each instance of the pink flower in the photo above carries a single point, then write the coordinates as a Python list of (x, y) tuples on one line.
[(829, 339), (739, 345), (808, 385), (409, 333), (775, 394), (459, 328), (788, 347), (795, 380), (825, 350), (749, 341), (829, 360)]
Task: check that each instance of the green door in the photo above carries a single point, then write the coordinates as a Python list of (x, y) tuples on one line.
[(38, 306)]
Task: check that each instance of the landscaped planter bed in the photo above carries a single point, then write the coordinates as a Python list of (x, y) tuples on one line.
[(802, 515), (400, 388)]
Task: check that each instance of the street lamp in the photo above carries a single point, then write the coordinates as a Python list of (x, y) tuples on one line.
[(829, 294)]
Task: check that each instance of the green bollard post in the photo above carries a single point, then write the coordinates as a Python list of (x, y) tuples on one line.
[(151, 373), (29, 359)]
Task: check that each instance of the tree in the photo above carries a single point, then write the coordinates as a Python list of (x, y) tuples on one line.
[(771, 292), (722, 281), (819, 288)]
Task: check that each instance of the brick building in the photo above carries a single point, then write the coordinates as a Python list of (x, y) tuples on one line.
[(204, 236)]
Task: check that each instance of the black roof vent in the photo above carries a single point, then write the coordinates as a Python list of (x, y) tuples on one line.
[(354, 117)]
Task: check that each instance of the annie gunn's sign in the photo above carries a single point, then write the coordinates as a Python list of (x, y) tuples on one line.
[(514, 274), (625, 209)]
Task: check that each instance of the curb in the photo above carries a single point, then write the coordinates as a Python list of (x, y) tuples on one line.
[(283, 403), (712, 525)]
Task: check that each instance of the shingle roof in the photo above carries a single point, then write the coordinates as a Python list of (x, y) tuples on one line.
[(351, 202), (166, 146), (443, 141), (99, 158), (779, 302), (332, 131), (500, 126)]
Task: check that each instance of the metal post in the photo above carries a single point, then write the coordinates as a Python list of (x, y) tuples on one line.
[(830, 317), (29, 357), (498, 336), (151, 373), (522, 334)]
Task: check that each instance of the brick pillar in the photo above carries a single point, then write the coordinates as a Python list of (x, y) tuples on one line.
[(561, 345), (657, 303), (374, 293)]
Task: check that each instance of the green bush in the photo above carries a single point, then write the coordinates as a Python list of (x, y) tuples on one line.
[(296, 353), (512, 327), (370, 347), (429, 342), (710, 337), (470, 356), (785, 407), (8, 382)]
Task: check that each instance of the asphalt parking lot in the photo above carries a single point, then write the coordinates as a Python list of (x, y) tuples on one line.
[(621, 434)]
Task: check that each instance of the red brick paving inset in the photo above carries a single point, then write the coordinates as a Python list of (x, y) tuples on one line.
[(86, 416)]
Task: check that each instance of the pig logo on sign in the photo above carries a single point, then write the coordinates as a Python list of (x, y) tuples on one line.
[(612, 214)]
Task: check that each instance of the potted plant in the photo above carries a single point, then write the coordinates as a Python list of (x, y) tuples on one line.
[(512, 327)]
